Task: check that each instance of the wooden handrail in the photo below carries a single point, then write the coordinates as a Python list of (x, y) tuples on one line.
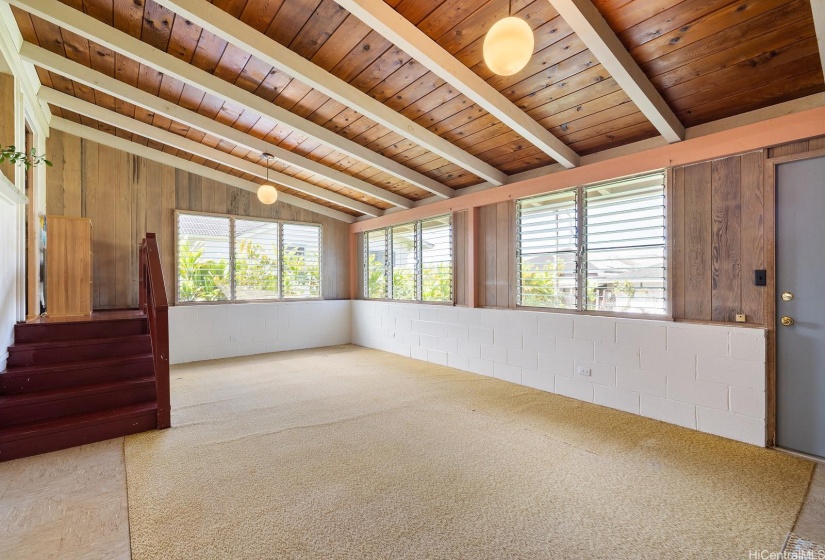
[(153, 303)]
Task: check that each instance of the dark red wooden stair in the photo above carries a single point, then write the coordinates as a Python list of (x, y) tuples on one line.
[(74, 382)]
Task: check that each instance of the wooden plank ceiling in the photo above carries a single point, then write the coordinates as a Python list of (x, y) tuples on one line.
[(709, 59)]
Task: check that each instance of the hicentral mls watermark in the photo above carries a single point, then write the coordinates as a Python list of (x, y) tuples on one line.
[(786, 555)]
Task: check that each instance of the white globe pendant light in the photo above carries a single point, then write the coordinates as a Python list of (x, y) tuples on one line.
[(267, 193), (508, 46)]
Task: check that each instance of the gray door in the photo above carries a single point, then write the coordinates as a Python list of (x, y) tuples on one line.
[(800, 271)]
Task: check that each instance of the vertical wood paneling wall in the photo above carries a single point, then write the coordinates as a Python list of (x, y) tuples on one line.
[(126, 196), (718, 239), (497, 255)]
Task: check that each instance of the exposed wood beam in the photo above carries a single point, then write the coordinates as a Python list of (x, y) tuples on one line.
[(94, 135), (249, 39), (586, 21), (11, 40), (397, 29), (90, 28), (818, 9), (106, 84), (781, 129), (129, 124)]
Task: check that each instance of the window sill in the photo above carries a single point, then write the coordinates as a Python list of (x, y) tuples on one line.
[(445, 303), (241, 302), (614, 314)]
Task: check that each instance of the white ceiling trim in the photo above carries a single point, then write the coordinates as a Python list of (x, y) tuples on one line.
[(397, 29), (818, 9), (86, 26), (246, 38), (174, 140), (106, 84), (10, 42), (586, 21), (94, 135)]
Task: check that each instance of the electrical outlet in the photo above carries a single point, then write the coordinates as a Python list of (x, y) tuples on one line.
[(392, 334), (583, 371), (233, 338), (741, 317)]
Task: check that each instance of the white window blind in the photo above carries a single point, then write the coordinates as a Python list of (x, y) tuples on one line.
[(547, 249), (301, 260), (599, 248), (375, 261), (404, 261), (624, 242), (410, 262), (203, 258), (437, 259), (256, 263), (224, 258)]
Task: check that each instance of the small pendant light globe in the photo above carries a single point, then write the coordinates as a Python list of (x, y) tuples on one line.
[(508, 46), (267, 194)]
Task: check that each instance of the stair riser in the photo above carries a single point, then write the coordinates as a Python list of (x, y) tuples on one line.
[(45, 443), (75, 404), (11, 384), (19, 357), (40, 332)]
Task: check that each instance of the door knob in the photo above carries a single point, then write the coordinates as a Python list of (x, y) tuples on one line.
[(786, 321), (787, 296)]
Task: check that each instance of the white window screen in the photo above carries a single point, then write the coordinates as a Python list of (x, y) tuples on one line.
[(257, 267), (437, 259), (224, 258), (547, 249), (411, 261), (301, 261), (624, 242), (404, 261), (203, 258), (375, 269)]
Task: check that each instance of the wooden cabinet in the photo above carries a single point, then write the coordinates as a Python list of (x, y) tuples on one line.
[(68, 266)]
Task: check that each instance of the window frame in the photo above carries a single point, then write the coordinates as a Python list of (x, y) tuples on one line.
[(388, 267), (581, 270), (232, 218)]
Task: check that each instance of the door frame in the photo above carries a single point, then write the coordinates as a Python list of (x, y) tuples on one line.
[(770, 299)]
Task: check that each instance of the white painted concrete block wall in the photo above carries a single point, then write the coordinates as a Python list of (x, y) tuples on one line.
[(705, 377), (206, 332)]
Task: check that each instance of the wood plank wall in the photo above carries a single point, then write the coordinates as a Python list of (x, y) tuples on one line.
[(126, 196), (497, 255), (7, 120), (718, 239)]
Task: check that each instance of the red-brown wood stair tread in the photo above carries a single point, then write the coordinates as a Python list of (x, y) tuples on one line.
[(77, 421)]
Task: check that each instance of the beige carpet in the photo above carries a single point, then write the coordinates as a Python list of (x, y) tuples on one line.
[(352, 453)]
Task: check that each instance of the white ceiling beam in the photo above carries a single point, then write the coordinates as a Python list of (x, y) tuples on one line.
[(121, 90), (397, 29), (90, 28), (135, 126), (94, 135), (11, 40), (249, 39), (818, 9), (586, 21)]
